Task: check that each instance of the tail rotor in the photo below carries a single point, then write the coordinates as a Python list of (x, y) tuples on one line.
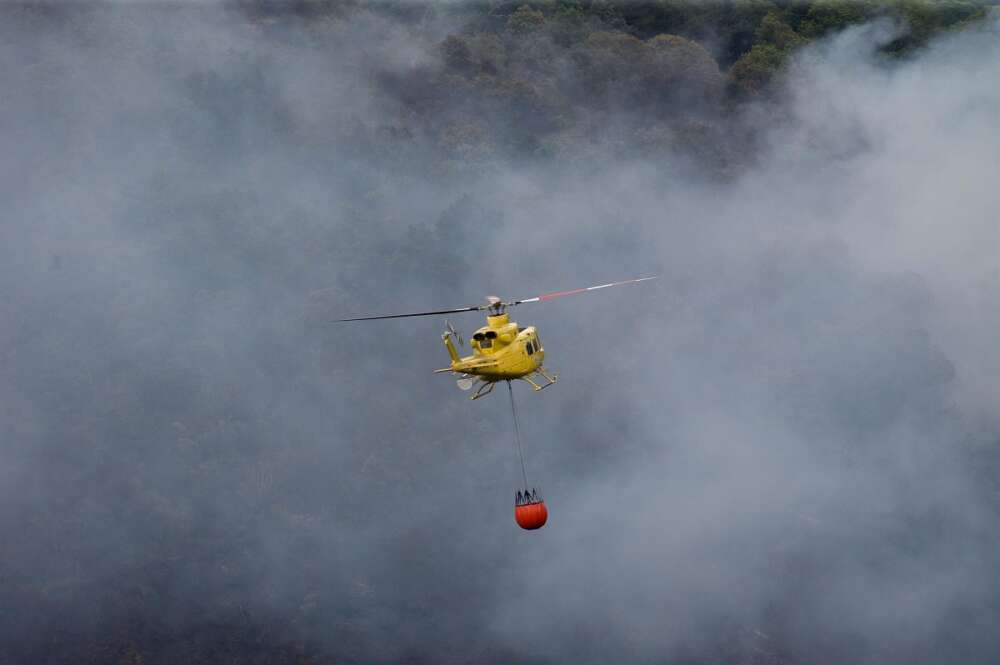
[(450, 330)]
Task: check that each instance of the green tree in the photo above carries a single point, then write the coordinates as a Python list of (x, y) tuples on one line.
[(684, 69), (738, 23), (753, 73), (525, 20), (826, 16), (925, 19), (775, 31)]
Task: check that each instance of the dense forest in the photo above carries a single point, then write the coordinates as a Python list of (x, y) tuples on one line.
[(784, 451), (567, 78)]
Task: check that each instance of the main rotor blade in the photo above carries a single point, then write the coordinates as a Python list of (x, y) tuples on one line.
[(560, 294), (403, 316)]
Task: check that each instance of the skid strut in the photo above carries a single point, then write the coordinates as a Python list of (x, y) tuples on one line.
[(541, 381), (540, 372), (485, 389)]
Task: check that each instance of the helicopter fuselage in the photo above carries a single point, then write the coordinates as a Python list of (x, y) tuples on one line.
[(501, 351)]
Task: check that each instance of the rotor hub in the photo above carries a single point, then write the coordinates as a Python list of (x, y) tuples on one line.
[(495, 305)]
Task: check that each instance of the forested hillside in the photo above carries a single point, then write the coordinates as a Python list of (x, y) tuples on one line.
[(571, 78), (783, 451)]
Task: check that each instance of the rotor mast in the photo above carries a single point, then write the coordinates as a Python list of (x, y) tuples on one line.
[(495, 306)]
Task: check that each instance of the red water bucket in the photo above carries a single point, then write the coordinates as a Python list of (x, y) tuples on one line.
[(531, 515)]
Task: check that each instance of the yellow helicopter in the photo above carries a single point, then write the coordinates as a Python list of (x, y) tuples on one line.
[(501, 350)]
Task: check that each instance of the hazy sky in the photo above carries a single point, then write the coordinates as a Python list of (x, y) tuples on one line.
[(779, 450)]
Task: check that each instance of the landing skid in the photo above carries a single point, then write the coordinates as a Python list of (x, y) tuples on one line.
[(540, 372), (486, 387)]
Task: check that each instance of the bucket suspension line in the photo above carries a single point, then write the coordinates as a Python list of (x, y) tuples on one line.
[(517, 435), (530, 512)]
